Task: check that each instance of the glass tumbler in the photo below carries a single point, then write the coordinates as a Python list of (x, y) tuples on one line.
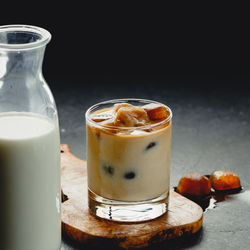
[(29, 144), (128, 167)]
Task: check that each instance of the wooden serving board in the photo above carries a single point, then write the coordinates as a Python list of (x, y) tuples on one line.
[(183, 217)]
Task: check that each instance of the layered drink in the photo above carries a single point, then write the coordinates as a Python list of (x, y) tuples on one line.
[(128, 157)]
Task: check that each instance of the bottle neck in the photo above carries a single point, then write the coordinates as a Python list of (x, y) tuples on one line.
[(23, 62)]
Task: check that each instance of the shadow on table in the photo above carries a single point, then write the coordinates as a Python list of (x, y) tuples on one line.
[(175, 244), (179, 243)]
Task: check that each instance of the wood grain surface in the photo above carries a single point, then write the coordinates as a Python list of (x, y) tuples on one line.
[(183, 217)]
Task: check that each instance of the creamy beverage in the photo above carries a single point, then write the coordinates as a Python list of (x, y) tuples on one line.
[(128, 156), (29, 182), (133, 167)]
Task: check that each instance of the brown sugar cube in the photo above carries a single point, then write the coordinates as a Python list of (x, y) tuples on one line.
[(156, 111), (195, 185), (117, 106), (224, 180), (131, 117)]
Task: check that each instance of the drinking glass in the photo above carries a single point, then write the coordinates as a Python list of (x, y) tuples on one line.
[(128, 167)]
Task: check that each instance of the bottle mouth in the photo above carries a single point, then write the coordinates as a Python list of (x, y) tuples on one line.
[(22, 37)]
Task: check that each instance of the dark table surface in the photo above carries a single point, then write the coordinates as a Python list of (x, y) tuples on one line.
[(211, 131)]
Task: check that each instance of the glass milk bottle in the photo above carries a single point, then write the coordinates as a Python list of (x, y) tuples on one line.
[(29, 144)]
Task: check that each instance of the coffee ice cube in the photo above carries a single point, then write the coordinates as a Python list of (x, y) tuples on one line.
[(156, 111), (131, 117), (117, 106), (225, 180)]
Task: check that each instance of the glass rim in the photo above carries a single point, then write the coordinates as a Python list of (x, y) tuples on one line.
[(45, 36), (96, 124)]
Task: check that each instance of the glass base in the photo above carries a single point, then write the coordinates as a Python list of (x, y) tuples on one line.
[(127, 211)]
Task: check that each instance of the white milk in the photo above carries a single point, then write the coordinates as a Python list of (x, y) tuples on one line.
[(29, 183)]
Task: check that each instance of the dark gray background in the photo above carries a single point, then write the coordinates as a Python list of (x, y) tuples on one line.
[(107, 37)]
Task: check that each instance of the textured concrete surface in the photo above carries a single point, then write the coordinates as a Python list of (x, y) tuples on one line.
[(211, 131)]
